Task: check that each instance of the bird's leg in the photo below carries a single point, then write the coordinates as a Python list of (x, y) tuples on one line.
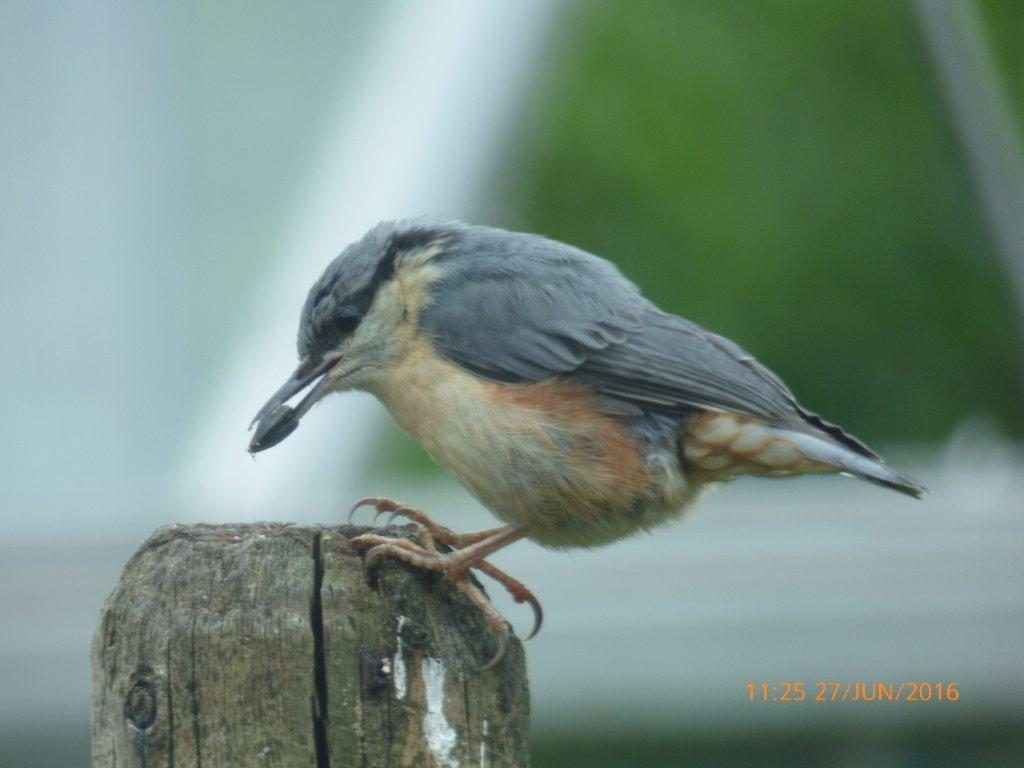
[(516, 589), (430, 532), (519, 592), (456, 566), (440, 533)]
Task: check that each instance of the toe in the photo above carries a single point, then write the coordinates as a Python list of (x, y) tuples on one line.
[(502, 635), (380, 503), (365, 502)]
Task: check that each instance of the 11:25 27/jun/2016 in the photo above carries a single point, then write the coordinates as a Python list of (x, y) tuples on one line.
[(868, 691)]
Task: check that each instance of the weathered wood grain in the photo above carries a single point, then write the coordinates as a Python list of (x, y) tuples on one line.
[(264, 645)]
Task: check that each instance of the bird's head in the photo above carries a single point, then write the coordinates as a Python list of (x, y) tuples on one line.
[(356, 321)]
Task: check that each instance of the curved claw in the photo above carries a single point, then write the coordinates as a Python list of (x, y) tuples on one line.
[(500, 653), (365, 502), (538, 616), (394, 514), (517, 590), (381, 504)]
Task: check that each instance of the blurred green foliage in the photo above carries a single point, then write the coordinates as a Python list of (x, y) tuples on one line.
[(1004, 23), (785, 174)]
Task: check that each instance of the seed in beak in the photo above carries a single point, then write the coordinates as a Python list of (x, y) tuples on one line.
[(273, 428)]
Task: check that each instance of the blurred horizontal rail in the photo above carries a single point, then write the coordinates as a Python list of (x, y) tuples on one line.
[(809, 577)]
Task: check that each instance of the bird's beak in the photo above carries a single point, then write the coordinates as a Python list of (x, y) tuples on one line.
[(275, 419)]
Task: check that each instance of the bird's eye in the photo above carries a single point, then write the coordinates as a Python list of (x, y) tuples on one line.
[(346, 319)]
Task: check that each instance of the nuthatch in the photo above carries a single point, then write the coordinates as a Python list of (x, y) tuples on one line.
[(569, 405)]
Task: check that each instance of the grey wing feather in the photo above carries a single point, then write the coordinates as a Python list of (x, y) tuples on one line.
[(518, 308), (674, 364), (521, 308)]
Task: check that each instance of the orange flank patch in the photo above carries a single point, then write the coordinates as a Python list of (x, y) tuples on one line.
[(598, 441)]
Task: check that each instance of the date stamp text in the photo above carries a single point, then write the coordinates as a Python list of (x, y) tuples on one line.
[(868, 691)]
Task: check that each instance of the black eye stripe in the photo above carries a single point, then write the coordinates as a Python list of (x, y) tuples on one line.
[(322, 324), (346, 319)]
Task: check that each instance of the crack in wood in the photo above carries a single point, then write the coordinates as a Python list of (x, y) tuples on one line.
[(170, 709), (193, 688), (316, 616)]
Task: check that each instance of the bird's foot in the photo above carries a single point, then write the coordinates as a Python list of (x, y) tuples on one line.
[(395, 509), (456, 565)]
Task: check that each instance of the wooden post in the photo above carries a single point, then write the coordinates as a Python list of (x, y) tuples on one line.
[(263, 645)]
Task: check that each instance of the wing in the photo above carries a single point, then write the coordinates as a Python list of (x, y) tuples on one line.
[(520, 308), (675, 365)]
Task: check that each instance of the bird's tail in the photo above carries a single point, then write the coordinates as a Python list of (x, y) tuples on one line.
[(845, 459)]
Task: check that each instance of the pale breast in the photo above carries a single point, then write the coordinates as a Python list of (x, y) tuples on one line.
[(542, 453)]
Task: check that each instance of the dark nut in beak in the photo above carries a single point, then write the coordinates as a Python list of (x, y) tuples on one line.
[(273, 428), (276, 420)]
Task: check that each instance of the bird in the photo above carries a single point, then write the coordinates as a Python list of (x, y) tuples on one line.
[(569, 405)]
